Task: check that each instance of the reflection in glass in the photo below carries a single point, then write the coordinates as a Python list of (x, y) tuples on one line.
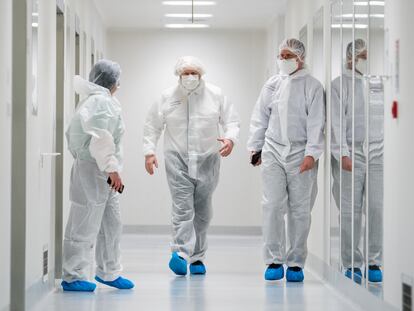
[(357, 140)]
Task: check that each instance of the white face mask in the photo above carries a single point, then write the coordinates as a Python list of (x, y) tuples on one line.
[(361, 65), (287, 66), (190, 82)]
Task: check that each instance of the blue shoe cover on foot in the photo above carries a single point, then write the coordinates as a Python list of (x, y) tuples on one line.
[(197, 268), (294, 274), (119, 283), (357, 275), (177, 264), (78, 286), (274, 272), (375, 274)]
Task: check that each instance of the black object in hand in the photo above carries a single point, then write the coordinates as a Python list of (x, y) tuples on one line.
[(110, 183), (256, 157)]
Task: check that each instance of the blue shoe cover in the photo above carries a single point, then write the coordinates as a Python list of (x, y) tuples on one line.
[(78, 286), (357, 275), (374, 274), (294, 274), (197, 268), (274, 272), (119, 283), (177, 264)]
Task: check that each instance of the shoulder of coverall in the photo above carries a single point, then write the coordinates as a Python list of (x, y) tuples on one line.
[(101, 103), (270, 84)]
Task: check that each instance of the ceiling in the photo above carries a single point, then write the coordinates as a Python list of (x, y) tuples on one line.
[(252, 14)]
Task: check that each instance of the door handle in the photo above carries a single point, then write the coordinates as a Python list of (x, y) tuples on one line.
[(47, 154)]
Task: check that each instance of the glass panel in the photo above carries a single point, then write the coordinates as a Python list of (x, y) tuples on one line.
[(357, 140), (318, 68), (34, 54), (374, 142), (336, 93)]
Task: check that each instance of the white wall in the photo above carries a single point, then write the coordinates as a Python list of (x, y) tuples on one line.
[(5, 142), (235, 60), (399, 153), (275, 34)]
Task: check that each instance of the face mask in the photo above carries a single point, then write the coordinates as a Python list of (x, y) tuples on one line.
[(190, 82), (287, 66), (361, 65)]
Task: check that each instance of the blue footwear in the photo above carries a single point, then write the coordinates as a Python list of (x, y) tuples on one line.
[(274, 272), (374, 274), (197, 268), (78, 286), (178, 264), (119, 283), (294, 274), (357, 275)]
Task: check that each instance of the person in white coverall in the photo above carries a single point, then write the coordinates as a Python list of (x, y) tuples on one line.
[(94, 139), (190, 115), (287, 127), (374, 149)]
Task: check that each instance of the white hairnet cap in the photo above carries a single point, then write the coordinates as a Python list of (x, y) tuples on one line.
[(295, 46), (189, 62), (360, 47), (105, 73)]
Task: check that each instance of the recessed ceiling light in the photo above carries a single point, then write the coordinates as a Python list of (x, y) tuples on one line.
[(189, 3), (187, 26), (189, 15)]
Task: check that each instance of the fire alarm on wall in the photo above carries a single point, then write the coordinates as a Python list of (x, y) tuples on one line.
[(394, 109)]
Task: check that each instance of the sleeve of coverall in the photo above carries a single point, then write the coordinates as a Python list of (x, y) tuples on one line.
[(336, 116), (95, 119), (154, 125), (260, 120), (315, 124), (230, 121)]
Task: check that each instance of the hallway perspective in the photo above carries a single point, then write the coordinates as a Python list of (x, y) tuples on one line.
[(234, 281)]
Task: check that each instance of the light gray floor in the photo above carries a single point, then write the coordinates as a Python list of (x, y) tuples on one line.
[(234, 281)]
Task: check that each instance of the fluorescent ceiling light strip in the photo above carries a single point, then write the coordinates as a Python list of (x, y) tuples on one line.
[(189, 15), (373, 3), (362, 15), (187, 26), (357, 26), (189, 3)]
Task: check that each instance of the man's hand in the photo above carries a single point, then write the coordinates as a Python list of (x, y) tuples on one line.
[(116, 182), (258, 163), (347, 164), (307, 164), (150, 161), (227, 147)]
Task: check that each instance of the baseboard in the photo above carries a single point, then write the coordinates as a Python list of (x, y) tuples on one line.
[(352, 291), (214, 230)]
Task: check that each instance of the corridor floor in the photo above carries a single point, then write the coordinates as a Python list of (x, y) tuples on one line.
[(234, 281)]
